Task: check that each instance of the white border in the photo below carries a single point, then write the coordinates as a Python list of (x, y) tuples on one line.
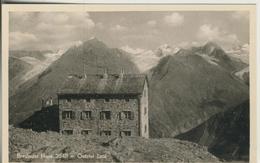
[(138, 1), (182, 2)]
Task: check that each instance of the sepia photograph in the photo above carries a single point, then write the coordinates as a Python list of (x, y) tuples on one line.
[(134, 85)]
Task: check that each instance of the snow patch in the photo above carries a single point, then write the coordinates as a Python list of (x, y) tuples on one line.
[(210, 59), (132, 50), (241, 73), (39, 66), (147, 59), (92, 38), (240, 52), (31, 60)]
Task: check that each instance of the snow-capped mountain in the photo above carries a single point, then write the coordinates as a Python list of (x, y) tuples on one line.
[(71, 62), (147, 59), (241, 52), (36, 61)]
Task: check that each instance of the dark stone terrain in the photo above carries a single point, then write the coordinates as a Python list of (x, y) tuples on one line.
[(134, 149)]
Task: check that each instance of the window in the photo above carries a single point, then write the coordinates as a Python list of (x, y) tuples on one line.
[(87, 100), (68, 115), (125, 133), (68, 100), (85, 115), (105, 115), (85, 132), (105, 132), (126, 115), (145, 128), (145, 110), (127, 99), (106, 99), (67, 132)]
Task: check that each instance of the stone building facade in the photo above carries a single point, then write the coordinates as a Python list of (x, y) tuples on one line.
[(108, 105)]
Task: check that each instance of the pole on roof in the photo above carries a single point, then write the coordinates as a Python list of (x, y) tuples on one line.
[(84, 73), (96, 62)]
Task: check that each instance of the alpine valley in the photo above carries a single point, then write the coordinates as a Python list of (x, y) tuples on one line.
[(199, 94)]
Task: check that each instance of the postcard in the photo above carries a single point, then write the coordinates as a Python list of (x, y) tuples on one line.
[(129, 83)]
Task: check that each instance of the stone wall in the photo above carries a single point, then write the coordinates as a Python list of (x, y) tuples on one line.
[(95, 124), (144, 112)]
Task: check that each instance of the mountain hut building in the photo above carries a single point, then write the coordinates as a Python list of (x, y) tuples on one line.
[(108, 105)]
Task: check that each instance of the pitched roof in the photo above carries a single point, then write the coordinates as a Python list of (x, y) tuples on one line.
[(101, 84)]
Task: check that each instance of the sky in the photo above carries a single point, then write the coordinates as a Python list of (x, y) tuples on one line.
[(136, 30)]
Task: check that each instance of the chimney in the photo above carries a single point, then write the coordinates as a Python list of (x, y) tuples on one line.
[(121, 73), (105, 75), (43, 102), (51, 101)]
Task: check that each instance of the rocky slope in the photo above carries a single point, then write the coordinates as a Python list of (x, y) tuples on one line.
[(92, 56), (44, 147), (188, 88), (243, 75), (225, 134), (17, 67), (215, 55), (29, 53)]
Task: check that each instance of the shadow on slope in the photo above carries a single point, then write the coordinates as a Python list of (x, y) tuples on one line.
[(46, 119), (226, 134)]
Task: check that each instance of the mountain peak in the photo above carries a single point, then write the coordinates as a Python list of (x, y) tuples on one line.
[(93, 38), (94, 42), (211, 46)]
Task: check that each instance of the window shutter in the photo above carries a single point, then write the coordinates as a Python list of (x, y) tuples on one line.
[(73, 115), (120, 115), (132, 115), (84, 116), (63, 115)]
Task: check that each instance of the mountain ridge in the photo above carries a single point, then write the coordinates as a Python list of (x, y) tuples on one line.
[(186, 80), (92, 57), (181, 85), (226, 134)]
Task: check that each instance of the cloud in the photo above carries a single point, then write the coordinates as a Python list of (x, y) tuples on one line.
[(54, 30), (238, 15), (76, 18), (208, 32), (241, 52), (19, 16), (54, 18), (245, 47), (118, 28), (174, 19), (152, 23), (64, 22), (132, 50), (188, 44), (100, 25), (21, 39)]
